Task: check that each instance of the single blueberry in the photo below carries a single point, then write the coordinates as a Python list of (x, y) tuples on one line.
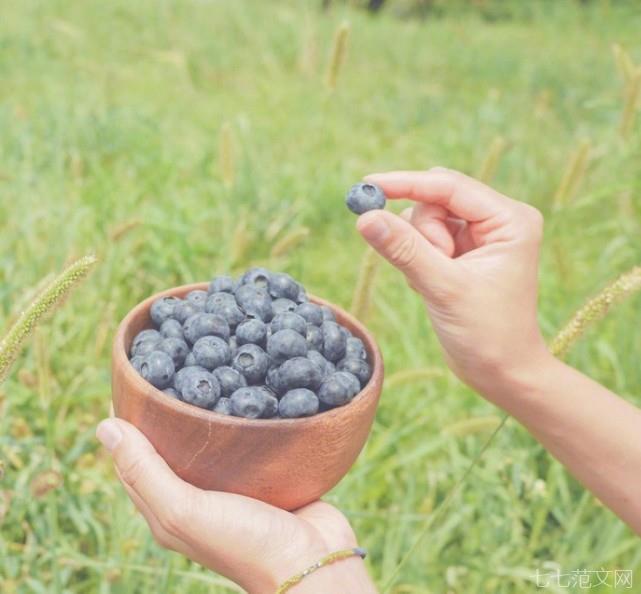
[(171, 392), (273, 381), (252, 362), (252, 331), (286, 344), (258, 277), (223, 406), (289, 320), (198, 298), (145, 336), (358, 367), (158, 369), (250, 402), (211, 352), (176, 348), (314, 337), (217, 300), (363, 197), (229, 379), (300, 402), (172, 328), (222, 284), (229, 311), (190, 360), (299, 372), (255, 302), (183, 373), (338, 389), (200, 388), (328, 314), (205, 324), (355, 349), (312, 313), (334, 341), (145, 347), (163, 309), (302, 296), (282, 305), (283, 285), (184, 310)]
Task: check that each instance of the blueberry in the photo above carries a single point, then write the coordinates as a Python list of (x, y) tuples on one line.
[(200, 388), (355, 349), (205, 324), (190, 360), (312, 313), (223, 406), (136, 362), (252, 362), (271, 403), (273, 381), (222, 284), (338, 389), (171, 392), (251, 331), (145, 336), (184, 310), (363, 197), (255, 302), (176, 348), (298, 403), (302, 296), (334, 341), (183, 373), (282, 305), (289, 320), (258, 277), (299, 372), (283, 285), (211, 352), (229, 379), (314, 337), (217, 300), (172, 328), (286, 344), (145, 347), (328, 314), (250, 402), (158, 369), (226, 308), (163, 309), (326, 367), (358, 367), (198, 298)]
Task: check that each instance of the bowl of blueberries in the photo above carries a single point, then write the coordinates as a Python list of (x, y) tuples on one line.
[(249, 385)]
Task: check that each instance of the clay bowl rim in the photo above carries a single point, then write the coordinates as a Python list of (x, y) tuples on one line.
[(130, 376)]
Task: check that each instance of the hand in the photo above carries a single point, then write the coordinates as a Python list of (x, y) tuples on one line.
[(472, 253), (254, 544)]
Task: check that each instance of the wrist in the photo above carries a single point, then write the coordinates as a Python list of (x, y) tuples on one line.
[(349, 575)]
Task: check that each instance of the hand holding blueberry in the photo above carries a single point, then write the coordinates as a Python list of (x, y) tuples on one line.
[(472, 253)]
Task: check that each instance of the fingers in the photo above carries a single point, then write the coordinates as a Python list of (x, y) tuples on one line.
[(431, 221), (404, 247), (147, 475), (463, 196)]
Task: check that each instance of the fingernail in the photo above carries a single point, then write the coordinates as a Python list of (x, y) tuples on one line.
[(374, 227), (109, 434)]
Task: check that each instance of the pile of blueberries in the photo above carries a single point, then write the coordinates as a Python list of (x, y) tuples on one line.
[(255, 347)]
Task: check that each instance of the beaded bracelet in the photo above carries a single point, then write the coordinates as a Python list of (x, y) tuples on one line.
[(327, 560)]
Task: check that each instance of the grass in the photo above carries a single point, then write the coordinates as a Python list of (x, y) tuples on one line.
[(113, 118)]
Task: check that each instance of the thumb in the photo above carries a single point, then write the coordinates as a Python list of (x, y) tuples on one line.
[(398, 241)]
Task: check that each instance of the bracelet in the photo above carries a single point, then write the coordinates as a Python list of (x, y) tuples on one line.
[(327, 560)]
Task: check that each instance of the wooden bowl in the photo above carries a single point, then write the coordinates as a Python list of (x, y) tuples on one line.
[(285, 462)]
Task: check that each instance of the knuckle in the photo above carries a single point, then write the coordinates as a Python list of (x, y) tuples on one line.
[(133, 471), (174, 520), (403, 253), (161, 537), (535, 221)]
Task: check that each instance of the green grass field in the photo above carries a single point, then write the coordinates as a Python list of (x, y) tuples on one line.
[(111, 116)]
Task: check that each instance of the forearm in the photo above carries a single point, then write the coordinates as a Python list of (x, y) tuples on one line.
[(593, 432)]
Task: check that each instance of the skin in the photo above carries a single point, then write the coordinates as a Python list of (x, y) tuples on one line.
[(472, 254)]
